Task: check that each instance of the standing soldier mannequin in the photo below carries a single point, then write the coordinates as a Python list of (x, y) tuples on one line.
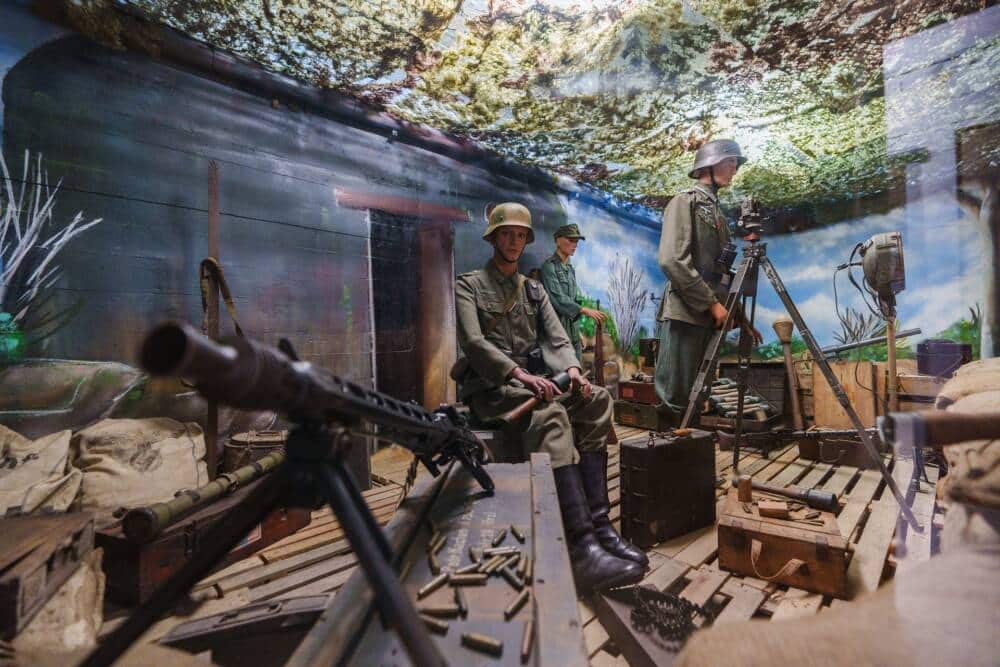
[(502, 317), (559, 278), (691, 242)]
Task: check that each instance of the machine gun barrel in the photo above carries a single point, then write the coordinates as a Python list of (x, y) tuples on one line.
[(837, 349), (248, 375)]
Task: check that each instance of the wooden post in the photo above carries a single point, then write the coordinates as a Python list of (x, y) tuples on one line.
[(437, 337), (783, 326), (892, 380), (212, 316)]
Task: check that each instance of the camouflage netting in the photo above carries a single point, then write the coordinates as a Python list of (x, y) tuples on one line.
[(613, 93)]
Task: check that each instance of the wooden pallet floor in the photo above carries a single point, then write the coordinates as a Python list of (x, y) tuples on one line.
[(317, 559)]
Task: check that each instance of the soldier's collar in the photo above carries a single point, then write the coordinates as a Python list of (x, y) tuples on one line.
[(494, 272), (559, 259), (707, 190)]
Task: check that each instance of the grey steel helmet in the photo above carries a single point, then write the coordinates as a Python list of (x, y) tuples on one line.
[(715, 152)]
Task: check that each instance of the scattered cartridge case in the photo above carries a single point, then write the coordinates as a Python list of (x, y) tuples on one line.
[(433, 563), (463, 606), (529, 572), (512, 578), (473, 579), (500, 551), (468, 569), (482, 643), (492, 565), (499, 537), (516, 604), (435, 625), (432, 585), (527, 639), (475, 555), (439, 544), (440, 610), (511, 561), (522, 566), (516, 532)]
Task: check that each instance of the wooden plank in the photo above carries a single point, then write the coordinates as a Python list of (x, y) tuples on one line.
[(792, 472), (865, 570), (304, 576), (239, 566), (558, 639), (858, 380), (272, 554), (594, 636), (840, 479), (743, 604), (705, 581), (857, 503), (814, 476), (324, 585), (280, 568), (791, 607), (665, 575)]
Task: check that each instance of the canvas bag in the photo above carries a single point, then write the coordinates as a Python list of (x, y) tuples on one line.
[(36, 474), (136, 462)]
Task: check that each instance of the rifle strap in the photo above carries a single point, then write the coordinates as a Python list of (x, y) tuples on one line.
[(209, 270)]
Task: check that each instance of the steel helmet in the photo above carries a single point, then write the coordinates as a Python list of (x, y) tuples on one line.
[(509, 214), (715, 152)]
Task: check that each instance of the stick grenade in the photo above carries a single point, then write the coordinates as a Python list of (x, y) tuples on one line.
[(821, 500), (783, 326), (561, 380)]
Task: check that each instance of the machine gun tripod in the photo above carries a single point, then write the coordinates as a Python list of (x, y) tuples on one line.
[(248, 375), (743, 294)]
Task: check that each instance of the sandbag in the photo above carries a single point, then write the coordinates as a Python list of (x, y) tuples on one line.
[(970, 379), (71, 619), (133, 462), (36, 474)]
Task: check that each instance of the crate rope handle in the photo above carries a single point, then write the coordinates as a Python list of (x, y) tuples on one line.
[(786, 570)]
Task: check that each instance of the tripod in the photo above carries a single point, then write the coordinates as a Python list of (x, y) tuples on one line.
[(743, 293), (315, 468)]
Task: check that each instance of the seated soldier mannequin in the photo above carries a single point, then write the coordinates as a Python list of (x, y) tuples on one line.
[(502, 317)]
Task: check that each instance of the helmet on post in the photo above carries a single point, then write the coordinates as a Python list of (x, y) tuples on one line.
[(715, 152), (509, 214)]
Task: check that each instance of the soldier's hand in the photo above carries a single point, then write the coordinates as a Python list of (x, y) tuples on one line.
[(753, 333), (580, 382), (542, 388), (719, 314), (594, 314)]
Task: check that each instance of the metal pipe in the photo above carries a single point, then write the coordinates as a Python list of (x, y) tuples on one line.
[(837, 349)]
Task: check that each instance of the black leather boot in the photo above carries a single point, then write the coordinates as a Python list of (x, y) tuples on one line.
[(593, 567), (594, 471)]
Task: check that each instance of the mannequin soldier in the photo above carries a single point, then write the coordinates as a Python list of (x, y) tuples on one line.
[(692, 238), (502, 317), (559, 278)]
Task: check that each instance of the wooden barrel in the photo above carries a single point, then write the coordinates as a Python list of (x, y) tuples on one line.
[(245, 448)]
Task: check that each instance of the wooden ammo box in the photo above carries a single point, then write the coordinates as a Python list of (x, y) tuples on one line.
[(842, 451), (135, 570), (784, 551), (638, 392), (667, 486), (37, 555), (641, 415)]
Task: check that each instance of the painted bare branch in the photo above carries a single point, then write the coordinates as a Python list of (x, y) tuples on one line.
[(627, 300), (28, 244)]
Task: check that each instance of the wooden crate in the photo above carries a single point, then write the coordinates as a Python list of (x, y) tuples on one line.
[(766, 548), (860, 385), (638, 392)]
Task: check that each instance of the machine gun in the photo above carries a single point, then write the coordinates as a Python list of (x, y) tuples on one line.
[(248, 375)]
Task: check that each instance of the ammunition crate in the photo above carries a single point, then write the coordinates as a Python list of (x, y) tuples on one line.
[(667, 486), (641, 415), (638, 392)]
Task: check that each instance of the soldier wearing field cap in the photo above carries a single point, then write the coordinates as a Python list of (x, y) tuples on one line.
[(559, 278), (692, 238), (502, 316)]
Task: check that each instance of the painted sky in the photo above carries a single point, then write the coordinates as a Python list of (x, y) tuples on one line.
[(942, 249)]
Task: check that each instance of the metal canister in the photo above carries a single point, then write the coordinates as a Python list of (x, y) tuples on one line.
[(245, 448)]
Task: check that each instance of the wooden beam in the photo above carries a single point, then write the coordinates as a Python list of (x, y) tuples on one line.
[(357, 199)]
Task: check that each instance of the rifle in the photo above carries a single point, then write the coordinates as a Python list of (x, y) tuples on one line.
[(599, 365), (248, 375)]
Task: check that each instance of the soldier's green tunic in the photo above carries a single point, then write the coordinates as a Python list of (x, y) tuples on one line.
[(693, 235), (559, 279), (479, 298)]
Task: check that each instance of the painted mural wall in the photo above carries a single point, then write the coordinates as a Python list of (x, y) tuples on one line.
[(129, 139)]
